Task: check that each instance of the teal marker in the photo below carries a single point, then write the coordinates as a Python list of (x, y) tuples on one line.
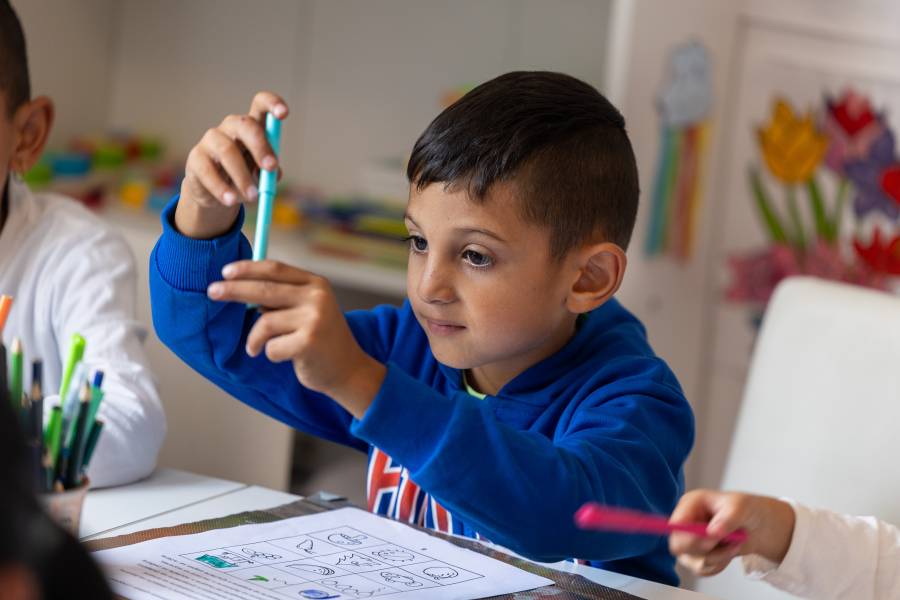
[(267, 183)]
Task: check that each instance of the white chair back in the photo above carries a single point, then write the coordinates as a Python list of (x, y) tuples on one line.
[(820, 419)]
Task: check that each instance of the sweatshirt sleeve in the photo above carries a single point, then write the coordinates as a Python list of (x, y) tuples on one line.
[(521, 489), (94, 295), (210, 336), (835, 556)]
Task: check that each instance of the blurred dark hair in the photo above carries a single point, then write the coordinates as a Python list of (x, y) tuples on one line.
[(559, 140), (60, 565), (14, 80)]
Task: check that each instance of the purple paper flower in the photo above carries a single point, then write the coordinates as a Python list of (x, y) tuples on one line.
[(867, 174)]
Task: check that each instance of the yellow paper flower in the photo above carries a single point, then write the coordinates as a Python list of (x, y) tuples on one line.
[(791, 146)]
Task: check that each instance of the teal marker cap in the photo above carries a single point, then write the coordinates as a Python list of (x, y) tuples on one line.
[(267, 183)]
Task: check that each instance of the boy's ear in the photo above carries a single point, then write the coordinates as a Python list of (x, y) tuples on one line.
[(601, 268), (31, 127)]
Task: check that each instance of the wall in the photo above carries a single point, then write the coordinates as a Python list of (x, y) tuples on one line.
[(69, 48), (674, 300), (363, 78)]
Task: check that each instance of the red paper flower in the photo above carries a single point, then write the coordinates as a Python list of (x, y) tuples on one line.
[(890, 182), (881, 255), (853, 112), (852, 127)]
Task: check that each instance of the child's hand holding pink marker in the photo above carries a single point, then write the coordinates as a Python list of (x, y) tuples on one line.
[(691, 532)]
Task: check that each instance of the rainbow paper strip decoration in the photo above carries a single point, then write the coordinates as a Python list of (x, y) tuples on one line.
[(684, 105)]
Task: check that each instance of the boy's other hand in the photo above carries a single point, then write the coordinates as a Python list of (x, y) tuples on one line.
[(222, 170), (769, 524), (303, 323)]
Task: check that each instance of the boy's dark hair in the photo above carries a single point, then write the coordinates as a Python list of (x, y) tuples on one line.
[(14, 81), (558, 139)]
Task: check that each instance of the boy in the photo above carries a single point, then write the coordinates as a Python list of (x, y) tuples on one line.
[(511, 387), (812, 553), (70, 273)]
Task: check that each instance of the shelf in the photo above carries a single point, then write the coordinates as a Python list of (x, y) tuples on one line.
[(286, 246)]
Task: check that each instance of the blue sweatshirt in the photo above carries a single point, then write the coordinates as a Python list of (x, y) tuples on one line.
[(603, 419)]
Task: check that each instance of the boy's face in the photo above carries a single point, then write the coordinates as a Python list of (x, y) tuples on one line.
[(482, 283)]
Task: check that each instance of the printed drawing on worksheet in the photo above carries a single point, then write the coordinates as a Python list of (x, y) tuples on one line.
[(341, 559), (339, 554)]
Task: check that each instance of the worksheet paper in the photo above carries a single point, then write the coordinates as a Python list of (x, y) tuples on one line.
[(346, 553)]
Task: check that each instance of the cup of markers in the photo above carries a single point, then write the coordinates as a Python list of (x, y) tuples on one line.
[(61, 451)]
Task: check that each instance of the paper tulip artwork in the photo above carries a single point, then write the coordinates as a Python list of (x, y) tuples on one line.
[(828, 197)]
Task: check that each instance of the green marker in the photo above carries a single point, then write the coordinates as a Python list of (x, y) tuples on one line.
[(72, 473), (76, 353), (91, 444), (53, 435), (15, 374)]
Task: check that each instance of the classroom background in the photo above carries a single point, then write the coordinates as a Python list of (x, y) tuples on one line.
[(705, 87)]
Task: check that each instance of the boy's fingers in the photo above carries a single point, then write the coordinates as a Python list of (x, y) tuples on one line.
[(225, 150), (267, 294), (268, 270), (286, 347), (252, 135), (264, 102), (205, 171), (235, 165), (270, 325)]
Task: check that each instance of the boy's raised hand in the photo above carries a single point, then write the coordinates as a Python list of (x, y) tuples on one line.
[(303, 323), (769, 524), (222, 169)]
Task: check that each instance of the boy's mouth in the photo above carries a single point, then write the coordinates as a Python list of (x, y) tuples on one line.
[(439, 327)]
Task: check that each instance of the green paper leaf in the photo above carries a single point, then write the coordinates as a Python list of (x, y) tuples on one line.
[(823, 226), (773, 224)]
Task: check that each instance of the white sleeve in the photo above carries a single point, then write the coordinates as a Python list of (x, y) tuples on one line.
[(835, 556), (94, 295)]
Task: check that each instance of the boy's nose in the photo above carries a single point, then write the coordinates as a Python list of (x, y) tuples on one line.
[(436, 285)]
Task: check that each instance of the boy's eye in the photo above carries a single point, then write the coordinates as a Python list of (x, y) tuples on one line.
[(417, 243), (477, 259)]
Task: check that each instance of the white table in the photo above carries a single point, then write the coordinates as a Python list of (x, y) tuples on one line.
[(170, 497)]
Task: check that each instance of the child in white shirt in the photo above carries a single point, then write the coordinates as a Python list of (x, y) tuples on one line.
[(811, 553), (68, 273)]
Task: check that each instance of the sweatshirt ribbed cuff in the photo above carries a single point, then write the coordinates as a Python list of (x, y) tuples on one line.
[(188, 264)]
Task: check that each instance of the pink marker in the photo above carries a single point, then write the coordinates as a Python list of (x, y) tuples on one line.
[(597, 516)]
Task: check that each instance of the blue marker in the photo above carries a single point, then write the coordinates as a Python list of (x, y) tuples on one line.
[(267, 183)]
